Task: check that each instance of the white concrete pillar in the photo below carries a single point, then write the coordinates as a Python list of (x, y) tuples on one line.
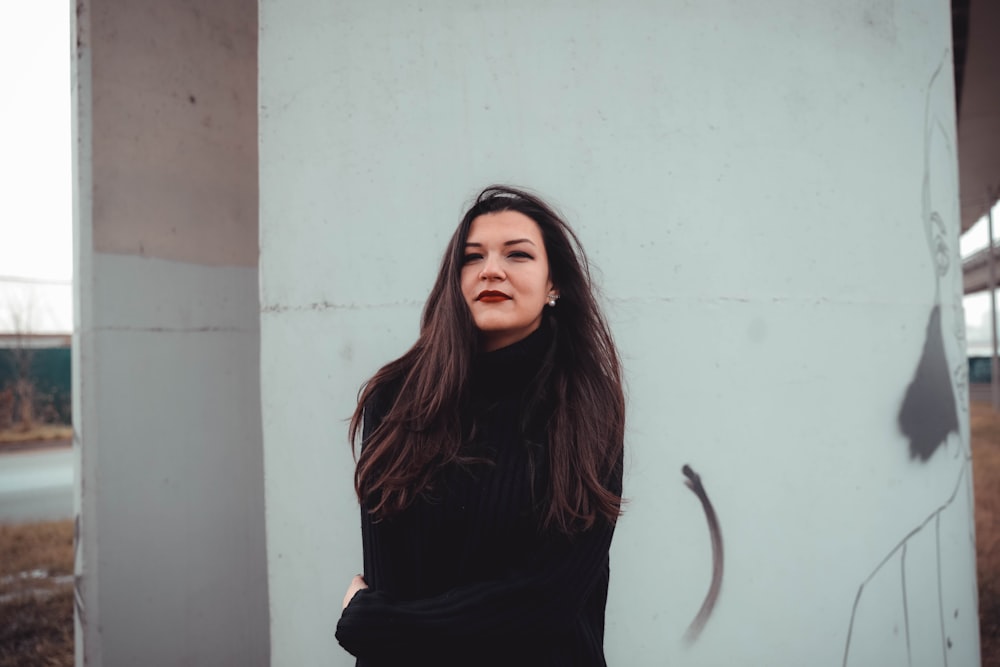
[(170, 557), (769, 194)]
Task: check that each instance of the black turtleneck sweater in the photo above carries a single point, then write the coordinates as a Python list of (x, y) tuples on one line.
[(465, 575)]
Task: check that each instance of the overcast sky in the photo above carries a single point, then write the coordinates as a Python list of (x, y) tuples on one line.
[(36, 215)]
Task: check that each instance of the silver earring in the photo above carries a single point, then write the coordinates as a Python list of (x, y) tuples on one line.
[(552, 299)]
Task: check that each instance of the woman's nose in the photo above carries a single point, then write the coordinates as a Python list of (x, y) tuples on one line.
[(491, 268)]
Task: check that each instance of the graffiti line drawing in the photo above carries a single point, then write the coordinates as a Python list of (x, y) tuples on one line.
[(929, 413), (901, 550), (961, 370), (693, 482), (934, 585)]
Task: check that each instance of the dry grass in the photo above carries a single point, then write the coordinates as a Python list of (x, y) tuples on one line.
[(36, 594), (39, 432), (986, 473), (37, 631), (36, 546)]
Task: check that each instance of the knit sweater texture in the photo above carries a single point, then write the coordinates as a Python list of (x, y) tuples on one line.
[(466, 575)]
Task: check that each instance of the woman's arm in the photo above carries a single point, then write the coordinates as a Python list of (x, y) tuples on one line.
[(544, 598), (358, 583)]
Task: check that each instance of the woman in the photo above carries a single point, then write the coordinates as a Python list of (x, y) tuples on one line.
[(491, 459)]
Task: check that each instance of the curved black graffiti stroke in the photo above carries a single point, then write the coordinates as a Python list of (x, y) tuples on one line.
[(693, 482)]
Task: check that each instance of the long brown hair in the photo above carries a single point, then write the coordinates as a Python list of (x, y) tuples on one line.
[(421, 429)]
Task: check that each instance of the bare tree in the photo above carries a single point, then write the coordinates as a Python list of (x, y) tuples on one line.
[(6, 408), (20, 312)]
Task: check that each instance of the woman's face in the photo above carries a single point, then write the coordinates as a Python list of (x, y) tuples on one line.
[(505, 277)]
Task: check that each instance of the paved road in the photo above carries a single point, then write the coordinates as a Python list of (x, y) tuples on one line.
[(36, 485)]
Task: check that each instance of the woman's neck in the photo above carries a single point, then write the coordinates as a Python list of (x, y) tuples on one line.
[(512, 367)]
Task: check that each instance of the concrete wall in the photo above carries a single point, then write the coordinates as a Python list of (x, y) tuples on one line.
[(170, 559), (742, 179)]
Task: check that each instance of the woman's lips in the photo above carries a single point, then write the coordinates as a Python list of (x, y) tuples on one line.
[(491, 296)]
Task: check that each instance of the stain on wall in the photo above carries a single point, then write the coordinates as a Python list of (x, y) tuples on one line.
[(175, 130)]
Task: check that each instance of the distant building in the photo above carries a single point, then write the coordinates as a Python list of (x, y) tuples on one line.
[(49, 359), (979, 369)]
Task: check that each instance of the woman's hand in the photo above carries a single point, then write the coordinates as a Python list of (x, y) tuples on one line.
[(357, 584)]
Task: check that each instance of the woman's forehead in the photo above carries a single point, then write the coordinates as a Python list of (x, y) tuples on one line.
[(503, 226)]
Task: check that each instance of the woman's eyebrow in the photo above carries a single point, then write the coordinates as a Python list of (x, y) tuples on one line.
[(506, 243)]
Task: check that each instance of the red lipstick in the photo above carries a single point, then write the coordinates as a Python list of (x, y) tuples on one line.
[(492, 296)]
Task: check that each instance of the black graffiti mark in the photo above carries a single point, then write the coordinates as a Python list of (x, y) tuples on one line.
[(693, 482), (937, 544), (928, 413), (936, 517), (906, 608), (934, 225)]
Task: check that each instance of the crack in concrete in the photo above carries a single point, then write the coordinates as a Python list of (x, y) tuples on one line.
[(277, 308), (118, 328)]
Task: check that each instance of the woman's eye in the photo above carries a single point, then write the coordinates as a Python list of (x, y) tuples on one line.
[(520, 254), (471, 257)]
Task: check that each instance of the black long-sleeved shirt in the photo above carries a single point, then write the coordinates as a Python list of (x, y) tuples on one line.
[(465, 576)]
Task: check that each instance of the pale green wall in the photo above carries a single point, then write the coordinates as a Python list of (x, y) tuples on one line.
[(750, 183)]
